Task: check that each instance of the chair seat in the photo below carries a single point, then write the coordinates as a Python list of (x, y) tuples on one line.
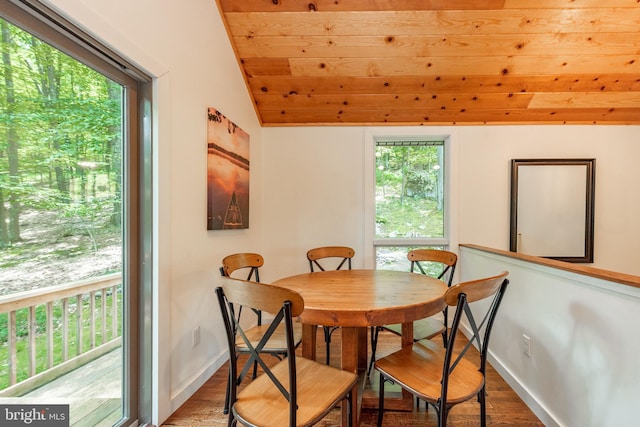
[(418, 369), (277, 342), (319, 387), (423, 329)]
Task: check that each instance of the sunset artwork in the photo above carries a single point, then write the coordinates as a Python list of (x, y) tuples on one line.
[(227, 174)]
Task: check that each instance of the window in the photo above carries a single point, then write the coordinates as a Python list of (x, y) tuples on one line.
[(410, 198)]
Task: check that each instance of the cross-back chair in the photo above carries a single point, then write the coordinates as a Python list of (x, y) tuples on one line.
[(340, 255), (251, 263), (291, 392), (431, 262), (442, 376), (248, 261), (244, 261)]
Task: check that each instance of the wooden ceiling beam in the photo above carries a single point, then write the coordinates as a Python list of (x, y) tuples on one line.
[(356, 5), (561, 44), (439, 117), (389, 5), (457, 102), (478, 65), (425, 23), (445, 84)]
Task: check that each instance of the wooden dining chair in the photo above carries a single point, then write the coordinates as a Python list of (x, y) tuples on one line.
[(244, 261), (248, 261), (339, 255), (292, 392), (431, 262), (251, 264), (434, 373)]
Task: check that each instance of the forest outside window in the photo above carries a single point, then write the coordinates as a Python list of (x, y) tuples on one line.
[(410, 208)]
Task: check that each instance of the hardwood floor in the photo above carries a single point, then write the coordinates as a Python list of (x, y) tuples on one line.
[(504, 407)]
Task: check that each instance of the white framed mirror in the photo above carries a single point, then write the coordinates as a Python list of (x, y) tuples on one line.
[(552, 208)]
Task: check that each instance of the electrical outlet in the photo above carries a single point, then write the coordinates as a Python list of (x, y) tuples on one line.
[(195, 336), (526, 345)]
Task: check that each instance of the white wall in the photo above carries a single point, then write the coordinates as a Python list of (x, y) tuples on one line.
[(583, 369), (300, 161), (485, 153), (306, 183), (313, 194)]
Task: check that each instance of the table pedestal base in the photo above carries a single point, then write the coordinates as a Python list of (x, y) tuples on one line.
[(353, 357)]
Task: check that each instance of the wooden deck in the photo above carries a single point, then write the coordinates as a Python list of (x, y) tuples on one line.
[(93, 391)]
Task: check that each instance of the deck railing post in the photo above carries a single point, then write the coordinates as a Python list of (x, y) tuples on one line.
[(49, 333), (114, 312), (92, 317), (80, 325), (103, 313), (32, 340), (65, 329), (13, 365)]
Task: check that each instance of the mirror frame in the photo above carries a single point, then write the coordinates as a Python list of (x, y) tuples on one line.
[(589, 204)]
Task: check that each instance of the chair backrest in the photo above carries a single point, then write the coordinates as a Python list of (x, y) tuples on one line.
[(283, 304), (461, 295), (241, 261), (344, 254), (420, 258)]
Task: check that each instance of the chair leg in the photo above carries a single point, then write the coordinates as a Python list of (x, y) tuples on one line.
[(381, 401), (442, 412), (327, 340), (349, 409), (226, 398), (374, 345), (483, 407)]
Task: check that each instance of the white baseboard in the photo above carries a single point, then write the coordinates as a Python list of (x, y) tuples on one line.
[(198, 380), (521, 390)]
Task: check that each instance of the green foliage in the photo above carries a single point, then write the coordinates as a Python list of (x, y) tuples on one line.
[(66, 120), (395, 258), (408, 198), (413, 218)]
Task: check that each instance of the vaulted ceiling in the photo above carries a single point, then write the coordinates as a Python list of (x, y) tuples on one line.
[(426, 62)]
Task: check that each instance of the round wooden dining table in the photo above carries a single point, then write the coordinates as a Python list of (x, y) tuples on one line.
[(356, 300)]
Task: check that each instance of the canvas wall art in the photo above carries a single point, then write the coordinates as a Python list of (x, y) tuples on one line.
[(227, 173)]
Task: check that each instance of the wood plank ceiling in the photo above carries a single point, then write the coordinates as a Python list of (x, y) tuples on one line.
[(427, 62)]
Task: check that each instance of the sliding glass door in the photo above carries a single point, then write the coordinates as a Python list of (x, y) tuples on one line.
[(72, 289)]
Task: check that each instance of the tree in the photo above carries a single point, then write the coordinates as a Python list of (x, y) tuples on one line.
[(12, 233), (60, 138)]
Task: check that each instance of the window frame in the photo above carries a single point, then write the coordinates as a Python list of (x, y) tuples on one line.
[(450, 237)]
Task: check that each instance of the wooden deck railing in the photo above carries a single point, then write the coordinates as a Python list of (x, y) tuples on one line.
[(58, 328)]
